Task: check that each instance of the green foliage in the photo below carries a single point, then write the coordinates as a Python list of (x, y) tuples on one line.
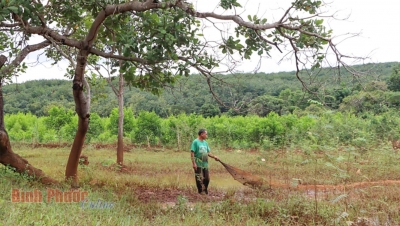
[(229, 4), (209, 110), (253, 42), (310, 131), (129, 121), (338, 95), (148, 128), (58, 118), (281, 113), (160, 37), (69, 130), (96, 127), (394, 80), (37, 97), (20, 126), (267, 128), (231, 131), (181, 129), (374, 102), (309, 6), (281, 91), (263, 105)]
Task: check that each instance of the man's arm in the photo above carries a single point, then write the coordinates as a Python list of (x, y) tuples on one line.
[(193, 161), (213, 156)]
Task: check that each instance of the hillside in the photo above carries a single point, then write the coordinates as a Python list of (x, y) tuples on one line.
[(192, 94)]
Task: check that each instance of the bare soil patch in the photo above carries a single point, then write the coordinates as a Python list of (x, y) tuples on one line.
[(171, 195)]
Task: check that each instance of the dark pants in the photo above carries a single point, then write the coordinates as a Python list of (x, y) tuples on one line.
[(202, 179)]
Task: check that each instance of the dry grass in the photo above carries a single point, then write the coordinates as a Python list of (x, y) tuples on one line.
[(158, 187)]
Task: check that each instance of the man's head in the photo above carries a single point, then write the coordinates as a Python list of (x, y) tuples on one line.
[(202, 134)]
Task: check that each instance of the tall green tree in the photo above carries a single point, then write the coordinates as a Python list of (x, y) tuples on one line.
[(263, 105), (394, 80), (148, 128), (7, 156), (14, 44), (57, 118)]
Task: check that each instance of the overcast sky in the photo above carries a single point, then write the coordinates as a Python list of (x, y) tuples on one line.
[(377, 23)]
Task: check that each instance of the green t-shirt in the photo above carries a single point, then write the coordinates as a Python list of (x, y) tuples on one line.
[(200, 149)]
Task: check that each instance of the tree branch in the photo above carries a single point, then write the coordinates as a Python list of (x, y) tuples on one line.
[(21, 56), (304, 32), (2, 24)]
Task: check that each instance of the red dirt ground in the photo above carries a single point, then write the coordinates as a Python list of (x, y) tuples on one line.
[(169, 197)]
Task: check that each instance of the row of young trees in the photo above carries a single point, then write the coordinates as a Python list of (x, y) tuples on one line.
[(310, 130)]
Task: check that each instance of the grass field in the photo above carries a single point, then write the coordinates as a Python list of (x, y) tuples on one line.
[(331, 187)]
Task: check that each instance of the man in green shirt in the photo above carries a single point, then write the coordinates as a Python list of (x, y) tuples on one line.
[(199, 154)]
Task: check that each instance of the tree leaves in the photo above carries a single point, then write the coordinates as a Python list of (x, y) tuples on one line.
[(229, 4), (13, 9)]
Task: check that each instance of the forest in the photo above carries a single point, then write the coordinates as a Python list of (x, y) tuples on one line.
[(242, 94)]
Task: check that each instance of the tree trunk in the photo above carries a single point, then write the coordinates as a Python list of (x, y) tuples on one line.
[(179, 139), (82, 102), (71, 172), (120, 145), (7, 156), (82, 107)]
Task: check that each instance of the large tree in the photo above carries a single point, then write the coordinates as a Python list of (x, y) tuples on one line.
[(14, 48), (162, 41), (7, 156)]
